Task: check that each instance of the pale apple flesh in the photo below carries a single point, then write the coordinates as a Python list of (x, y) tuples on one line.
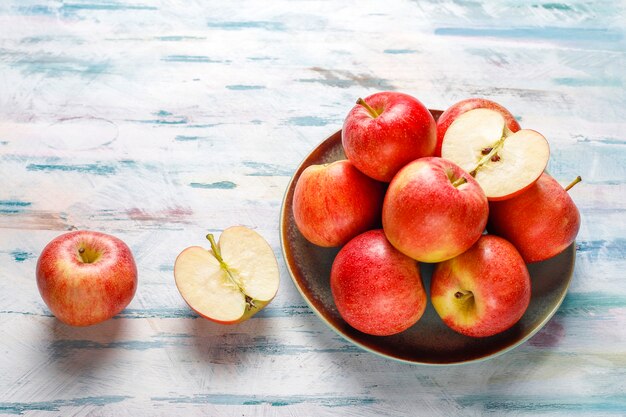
[(463, 106), (232, 281), (504, 163)]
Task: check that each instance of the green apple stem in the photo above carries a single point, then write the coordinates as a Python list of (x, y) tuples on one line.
[(492, 155), (369, 108), (459, 181), (224, 266), (573, 183)]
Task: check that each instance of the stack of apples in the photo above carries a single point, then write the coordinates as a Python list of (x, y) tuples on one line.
[(467, 192)]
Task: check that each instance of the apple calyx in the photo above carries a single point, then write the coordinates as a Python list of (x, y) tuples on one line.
[(573, 183), (463, 295), (369, 108), (218, 255)]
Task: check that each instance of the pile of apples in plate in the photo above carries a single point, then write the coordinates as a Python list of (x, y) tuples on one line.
[(468, 192)]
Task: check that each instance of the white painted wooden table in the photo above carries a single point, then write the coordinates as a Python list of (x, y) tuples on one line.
[(160, 121)]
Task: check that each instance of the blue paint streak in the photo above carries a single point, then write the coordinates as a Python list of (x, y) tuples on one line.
[(267, 170), (192, 59), (233, 399), (399, 51), (588, 82), (161, 313), (14, 203), (36, 10), (590, 405), (308, 121), (541, 33), (21, 256), (612, 249), (23, 407), (63, 348), (220, 185), (240, 87), (87, 168), (163, 113), (74, 7), (183, 138), (241, 25), (178, 38), (58, 66)]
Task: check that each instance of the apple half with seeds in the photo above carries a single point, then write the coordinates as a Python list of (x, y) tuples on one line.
[(233, 280), (503, 162)]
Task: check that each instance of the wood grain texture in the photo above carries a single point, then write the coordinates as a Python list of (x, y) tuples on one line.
[(160, 121)]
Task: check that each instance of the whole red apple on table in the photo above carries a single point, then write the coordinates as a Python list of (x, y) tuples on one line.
[(433, 210), (386, 131), (377, 289), (457, 109), (86, 277), (504, 163), (483, 291), (333, 203), (541, 222)]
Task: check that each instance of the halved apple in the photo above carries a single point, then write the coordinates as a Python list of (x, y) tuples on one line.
[(504, 163), (233, 280)]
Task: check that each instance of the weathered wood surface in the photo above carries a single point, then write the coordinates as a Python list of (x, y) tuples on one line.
[(160, 121)]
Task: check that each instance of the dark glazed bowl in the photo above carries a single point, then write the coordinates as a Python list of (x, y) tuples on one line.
[(429, 341)]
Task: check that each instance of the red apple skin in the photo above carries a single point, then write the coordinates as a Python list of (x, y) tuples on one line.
[(377, 289), (379, 146), (429, 219), (84, 293), (333, 203), (457, 109), (541, 222), (496, 275)]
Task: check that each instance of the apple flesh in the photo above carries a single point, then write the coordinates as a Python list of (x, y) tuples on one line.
[(86, 277), (504, 163), (335, 202), (231, 282), (541, 222), (483, 291), (386, 131), (433, 210), (447, 117), (377, 289)]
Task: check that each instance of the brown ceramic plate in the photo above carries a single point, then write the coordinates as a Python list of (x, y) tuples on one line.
[(429, 341)]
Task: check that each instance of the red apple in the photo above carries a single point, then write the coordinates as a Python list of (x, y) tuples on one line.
[(483, 291), (433, 210), (333, 203), (457, 109), (541, 222), (386, 131), (86, 277), (504, 163), (377, 289)]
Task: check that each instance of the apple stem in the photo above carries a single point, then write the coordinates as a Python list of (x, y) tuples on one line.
[(369, 108), (459, 181), (573, 183), (224, 266)]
